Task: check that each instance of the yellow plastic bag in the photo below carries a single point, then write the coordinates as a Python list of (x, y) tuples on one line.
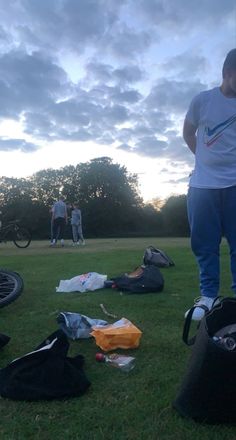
[(121, 334)]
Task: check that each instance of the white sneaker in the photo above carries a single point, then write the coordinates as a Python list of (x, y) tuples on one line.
[(199, 311), (83, 243)]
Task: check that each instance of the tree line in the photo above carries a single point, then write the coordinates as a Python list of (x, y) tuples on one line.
[(108, 196)]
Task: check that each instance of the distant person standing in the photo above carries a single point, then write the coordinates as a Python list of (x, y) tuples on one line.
[(76, 224), (59, 221), (51, 223)]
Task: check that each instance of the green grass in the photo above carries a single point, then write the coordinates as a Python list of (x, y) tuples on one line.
[(118, 406)]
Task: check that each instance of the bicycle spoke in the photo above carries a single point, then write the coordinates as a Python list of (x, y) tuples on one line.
[(11, 286)]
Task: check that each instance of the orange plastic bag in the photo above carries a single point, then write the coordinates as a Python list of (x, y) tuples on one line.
[(121, 334)]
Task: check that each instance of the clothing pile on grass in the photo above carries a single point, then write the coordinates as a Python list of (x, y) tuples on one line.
[(145, 278), (47, 372)]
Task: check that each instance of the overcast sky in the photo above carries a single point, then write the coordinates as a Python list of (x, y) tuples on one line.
[(81, 79)]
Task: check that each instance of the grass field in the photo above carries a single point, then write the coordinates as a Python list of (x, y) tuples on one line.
[(118, 406)]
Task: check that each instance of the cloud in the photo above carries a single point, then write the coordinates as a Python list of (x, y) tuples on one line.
[(65, 24), (186, 14), (129, 74), (138, 71), (17, 144), (101, 73), (125, 147), (29, 82), (126, 43), (184, 64), (150, 146), (172, 96)]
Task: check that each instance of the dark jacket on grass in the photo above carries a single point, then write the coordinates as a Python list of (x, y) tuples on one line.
[(45, 373)]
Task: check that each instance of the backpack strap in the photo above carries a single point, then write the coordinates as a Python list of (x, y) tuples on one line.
[(216, 303), (187, 324), (167, 258)]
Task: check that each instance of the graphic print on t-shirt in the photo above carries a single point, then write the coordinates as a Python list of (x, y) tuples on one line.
[(212, 134)]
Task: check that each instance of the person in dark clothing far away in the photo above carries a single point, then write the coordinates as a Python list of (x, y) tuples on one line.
[(59, 221)]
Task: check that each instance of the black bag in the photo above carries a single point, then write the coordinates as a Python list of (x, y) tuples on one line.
[(45, 373), (208, 390), (4, 339), (145, 279), (156, 257)]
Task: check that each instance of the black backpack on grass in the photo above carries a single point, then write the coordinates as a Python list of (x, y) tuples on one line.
[(144, 279), (157, 258)]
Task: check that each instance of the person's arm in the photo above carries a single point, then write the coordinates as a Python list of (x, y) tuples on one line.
[(52, 213), (66, 214), (189, 135)]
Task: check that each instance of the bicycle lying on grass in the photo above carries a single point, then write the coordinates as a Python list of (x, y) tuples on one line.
[(11, 286), (20, 236)]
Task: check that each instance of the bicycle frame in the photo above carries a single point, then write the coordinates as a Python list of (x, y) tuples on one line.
[(6, 230), (13, 231)]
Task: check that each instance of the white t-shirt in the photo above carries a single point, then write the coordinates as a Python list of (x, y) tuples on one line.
[(215, 157), (59, 209)]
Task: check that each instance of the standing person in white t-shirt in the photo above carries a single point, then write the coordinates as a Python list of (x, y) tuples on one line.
[(210, 133), (59, 221)]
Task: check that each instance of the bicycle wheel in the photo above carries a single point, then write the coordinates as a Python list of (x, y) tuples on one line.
[(22, 238), (11, 286)]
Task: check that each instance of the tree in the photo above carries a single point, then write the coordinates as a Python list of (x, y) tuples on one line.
[(108, 195), (49, 184), (157, 203), (13, 189), (174, 214)]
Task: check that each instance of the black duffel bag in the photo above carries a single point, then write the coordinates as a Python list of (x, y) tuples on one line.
[(208, 390), (144, 279)]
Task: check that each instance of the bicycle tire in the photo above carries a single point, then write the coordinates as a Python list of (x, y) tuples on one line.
[(22, 238), (11, 286)]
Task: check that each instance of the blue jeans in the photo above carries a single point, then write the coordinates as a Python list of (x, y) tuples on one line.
[(59, 225), (77, 233), (212, 215)]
